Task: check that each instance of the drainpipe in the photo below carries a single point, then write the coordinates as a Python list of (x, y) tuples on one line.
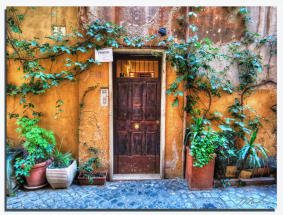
[(185, 100)]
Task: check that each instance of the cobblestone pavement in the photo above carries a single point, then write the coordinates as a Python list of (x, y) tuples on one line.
[(157, 194)]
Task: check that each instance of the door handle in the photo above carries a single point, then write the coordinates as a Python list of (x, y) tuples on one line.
[(137, 125), (157, 122)]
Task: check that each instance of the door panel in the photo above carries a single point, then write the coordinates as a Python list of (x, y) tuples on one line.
[(151, 109), (137, 143), (124, 144), (137, 103), (122, 112), (136, 114)]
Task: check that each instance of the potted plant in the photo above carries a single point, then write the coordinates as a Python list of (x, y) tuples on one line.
[(88, 175), (38, 144), (250, 152), (226, 167), (200, 159), (61, 172)]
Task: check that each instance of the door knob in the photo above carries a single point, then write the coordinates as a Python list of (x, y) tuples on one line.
[(137, 126), (157, 122)]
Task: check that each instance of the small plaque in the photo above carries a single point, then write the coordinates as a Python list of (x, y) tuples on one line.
[(104, 97), (104, 55)]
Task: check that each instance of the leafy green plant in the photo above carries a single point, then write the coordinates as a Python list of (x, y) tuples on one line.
[(61, 160), (251, 150), (88, 167), (204, 142), (38, 143)]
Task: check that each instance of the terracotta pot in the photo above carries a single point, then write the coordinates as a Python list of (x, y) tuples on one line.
[(37, 175), (96, 180), (231, 171), (199, 178), (61, 177)]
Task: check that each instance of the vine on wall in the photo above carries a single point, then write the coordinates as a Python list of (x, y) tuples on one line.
[(192, 60)]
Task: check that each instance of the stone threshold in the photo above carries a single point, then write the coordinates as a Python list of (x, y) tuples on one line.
[(135, 177)]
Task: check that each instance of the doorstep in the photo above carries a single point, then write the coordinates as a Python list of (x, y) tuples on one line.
[(135, 177)]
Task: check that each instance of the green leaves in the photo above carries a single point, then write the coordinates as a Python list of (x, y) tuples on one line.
[(59, 103), (217, 114), (20, 17), (251, 150), (225, 128), (175, 102), (79, 34), (191, 13), (38, 142), (61, 160), (42, 50), (93, 161), (203, 140), (193, 27), (243, 10)]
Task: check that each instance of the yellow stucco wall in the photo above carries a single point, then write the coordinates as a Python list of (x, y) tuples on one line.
[(66, 125), (90, 124), (261, 101), (173, 130)]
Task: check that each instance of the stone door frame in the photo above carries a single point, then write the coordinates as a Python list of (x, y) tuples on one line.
[(115, 177)]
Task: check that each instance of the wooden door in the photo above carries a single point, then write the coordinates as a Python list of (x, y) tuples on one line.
[(136, 114)]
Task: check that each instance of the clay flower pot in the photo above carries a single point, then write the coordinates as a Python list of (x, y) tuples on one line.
[(199, 178), (96, 180), (61, 177), (37, 177)]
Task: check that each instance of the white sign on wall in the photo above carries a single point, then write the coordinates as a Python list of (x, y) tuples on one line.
[(104, 97), (104, 55)]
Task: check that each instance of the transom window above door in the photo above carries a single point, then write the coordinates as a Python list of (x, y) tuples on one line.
[(137, 68)]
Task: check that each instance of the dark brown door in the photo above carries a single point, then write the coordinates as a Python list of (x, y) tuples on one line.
[(136, 114)]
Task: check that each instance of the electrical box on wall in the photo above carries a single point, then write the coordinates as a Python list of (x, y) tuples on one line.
[(104, 96)]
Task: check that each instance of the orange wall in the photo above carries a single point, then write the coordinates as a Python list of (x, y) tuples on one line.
[(90, 125)]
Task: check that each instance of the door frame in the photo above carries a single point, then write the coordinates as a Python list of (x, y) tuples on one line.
[(160, 175)]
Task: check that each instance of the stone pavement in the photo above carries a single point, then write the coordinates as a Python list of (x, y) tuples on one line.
[(157, 194)]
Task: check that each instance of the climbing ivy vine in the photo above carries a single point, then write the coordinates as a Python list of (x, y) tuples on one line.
[(191, 59)]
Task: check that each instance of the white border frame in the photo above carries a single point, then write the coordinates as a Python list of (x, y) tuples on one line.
[(118, 177)]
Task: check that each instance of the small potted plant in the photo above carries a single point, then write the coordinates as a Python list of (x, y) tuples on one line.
[(88, 175), (38, 144), (226, 167), (61, 172), (200, 159), (250, 151)]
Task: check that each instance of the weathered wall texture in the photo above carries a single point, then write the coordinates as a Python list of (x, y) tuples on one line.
[(93, 119), (173, 131), (90, 124), (64, 127)]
